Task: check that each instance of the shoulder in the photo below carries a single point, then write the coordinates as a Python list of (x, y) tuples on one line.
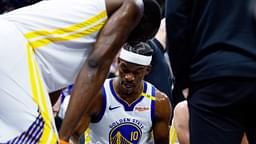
[(163, 107), (161, 96), (181, 106), (180, 113), (134, 5), (98, 103)]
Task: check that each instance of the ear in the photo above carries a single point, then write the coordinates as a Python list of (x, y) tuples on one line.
[(148, 69)]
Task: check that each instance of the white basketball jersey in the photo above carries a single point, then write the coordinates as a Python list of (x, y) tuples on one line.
[(62, 33), (120, 122)]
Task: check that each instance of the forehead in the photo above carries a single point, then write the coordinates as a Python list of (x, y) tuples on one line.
[(130, 65)]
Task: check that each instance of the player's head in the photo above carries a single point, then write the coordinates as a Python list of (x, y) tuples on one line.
[(149, 24), (133, 65)]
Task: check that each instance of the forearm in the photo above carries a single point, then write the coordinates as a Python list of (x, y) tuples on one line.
[(87, 85), (83, 125)]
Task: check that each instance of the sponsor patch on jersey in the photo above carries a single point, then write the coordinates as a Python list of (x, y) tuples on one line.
[(141, 108)]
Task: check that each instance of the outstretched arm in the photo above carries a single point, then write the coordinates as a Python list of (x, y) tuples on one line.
[(162, 119), (96, 67)]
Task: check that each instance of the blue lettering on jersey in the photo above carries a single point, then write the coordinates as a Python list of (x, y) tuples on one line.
[(124, 120)]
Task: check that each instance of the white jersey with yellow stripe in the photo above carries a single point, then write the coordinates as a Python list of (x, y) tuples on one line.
[(25, 108), (120, 122), (62, 33)]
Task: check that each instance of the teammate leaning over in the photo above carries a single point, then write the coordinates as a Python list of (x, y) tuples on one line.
[(46, 46)]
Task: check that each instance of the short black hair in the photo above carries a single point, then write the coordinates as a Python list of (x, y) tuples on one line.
[(149, 24), (141, 48)]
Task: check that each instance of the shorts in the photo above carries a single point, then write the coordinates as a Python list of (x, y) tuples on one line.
[(221, 110), (25, 109)]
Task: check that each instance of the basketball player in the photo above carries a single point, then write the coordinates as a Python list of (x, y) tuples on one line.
[(128, 109), (46, 46)]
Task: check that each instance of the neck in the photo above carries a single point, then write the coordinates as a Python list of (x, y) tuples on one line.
[(129, 98)]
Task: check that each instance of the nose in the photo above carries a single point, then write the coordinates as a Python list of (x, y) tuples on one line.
[(129, 77)]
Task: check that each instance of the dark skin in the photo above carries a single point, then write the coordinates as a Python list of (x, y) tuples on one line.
[(55, 96), (124, 16), (129, 86)]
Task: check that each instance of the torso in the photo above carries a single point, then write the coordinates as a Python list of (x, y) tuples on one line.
[(61, 38), (121, 121)]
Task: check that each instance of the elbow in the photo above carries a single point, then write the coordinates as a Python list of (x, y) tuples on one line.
[(89, 71), (92, 63), (97, 64)]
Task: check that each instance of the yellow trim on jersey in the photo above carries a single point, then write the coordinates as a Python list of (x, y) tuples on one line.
[(49, 135), (87, 138), (44, 37), (68, 29), (148, 96), (46, 41), (172, 135)]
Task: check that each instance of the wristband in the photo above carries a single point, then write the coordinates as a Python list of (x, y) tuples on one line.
[(63, 141)]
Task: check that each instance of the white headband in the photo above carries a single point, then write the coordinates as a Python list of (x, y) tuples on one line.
[(135, 58)]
